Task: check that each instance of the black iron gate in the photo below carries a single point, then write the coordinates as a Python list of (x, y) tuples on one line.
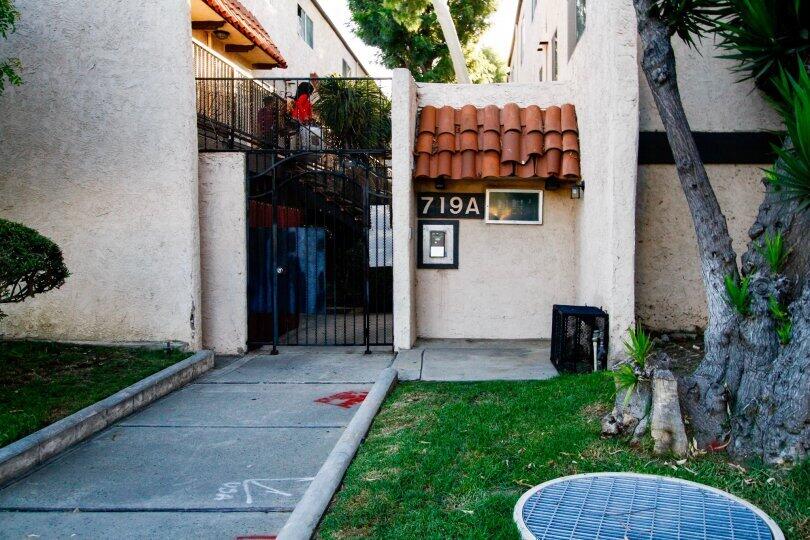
[(320, 244), (320, 249)]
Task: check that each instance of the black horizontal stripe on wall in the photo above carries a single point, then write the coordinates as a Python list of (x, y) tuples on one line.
[(714, 147)]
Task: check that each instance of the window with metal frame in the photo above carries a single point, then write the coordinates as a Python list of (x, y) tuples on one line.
[(305, 29), (554, 66), (580, 17)]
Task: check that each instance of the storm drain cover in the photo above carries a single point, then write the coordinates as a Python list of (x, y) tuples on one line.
[(626, 506)]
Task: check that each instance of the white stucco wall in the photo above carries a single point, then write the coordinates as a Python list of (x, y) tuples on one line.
[(712, 96), (223, 253), (669, 287), (603, 72), (508, 279), (527, 58), (280, 19), (99, 154), (509, 276), (403, 210)]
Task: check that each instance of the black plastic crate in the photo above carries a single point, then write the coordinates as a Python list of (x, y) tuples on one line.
[(572, 330)]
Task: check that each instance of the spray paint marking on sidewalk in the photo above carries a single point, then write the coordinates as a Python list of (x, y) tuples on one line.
[(345, 400), (229, 490)]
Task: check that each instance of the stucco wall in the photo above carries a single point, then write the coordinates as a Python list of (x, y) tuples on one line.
[(403, 126), (223, 254), (527, 58), (604, 74), (99, 154), (669, 288), (508, 279), (280, 19), (509, 276), (712, 96)]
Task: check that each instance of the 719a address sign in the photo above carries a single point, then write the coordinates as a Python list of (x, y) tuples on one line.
[(450, 205)]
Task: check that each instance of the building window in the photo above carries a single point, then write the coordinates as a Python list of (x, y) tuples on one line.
[(540, 75), (580, 18), (534, 8), (553, 58), (305, 27), (347, 70)]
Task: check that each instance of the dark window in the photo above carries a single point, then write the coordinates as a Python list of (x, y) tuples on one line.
[(305, 27), (540, 75), (554, 66), (347, 70), (580, 18)]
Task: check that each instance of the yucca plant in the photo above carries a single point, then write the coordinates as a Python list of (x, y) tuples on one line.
[(626, 381), (638, 346), (356, 112), (774, 252), (791, 175), (763, 36), (738, 294), (785, 332), (777, 311), (689, 19)]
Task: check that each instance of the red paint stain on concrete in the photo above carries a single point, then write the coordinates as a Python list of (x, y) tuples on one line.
[(345, 400)]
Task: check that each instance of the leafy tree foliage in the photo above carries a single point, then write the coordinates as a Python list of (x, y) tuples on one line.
[(30, 264), (408, 35), (10, 67), (356, 112)]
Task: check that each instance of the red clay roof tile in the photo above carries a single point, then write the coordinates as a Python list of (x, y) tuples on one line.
[(243, 20), (490, 142)]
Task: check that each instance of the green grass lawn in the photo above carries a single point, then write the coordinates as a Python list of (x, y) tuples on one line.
[(450, 460), (41, 383)]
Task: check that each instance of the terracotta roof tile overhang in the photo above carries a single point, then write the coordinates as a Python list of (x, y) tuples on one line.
[(494, 142), (246, 24)]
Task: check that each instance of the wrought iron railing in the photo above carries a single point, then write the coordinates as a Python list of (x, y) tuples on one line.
[(235, 112)]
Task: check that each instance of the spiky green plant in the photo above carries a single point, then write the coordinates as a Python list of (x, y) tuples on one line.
[(356, 112), (777, 311), (763, 36), (791, 174), (738, 294), (638, 345), (773, 250), (785, 332), (689, 19), (626, 380)]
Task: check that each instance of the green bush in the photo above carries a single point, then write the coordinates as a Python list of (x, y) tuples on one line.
[(638, 346), (356, 112), (30, 264)]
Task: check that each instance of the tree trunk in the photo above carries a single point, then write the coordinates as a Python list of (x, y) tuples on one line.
[(771, 411), (706, 395)]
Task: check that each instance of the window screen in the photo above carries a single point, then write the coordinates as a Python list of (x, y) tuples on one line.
[(305, 29)]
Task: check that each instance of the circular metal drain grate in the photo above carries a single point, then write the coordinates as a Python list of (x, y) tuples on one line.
[(619, 506)]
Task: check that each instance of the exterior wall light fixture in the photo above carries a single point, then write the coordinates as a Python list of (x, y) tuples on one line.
[(221, 35), (577, 190)]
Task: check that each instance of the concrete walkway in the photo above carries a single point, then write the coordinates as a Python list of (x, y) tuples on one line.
[(476, 360), (226, 456)]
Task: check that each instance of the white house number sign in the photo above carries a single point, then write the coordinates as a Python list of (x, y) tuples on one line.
[(450, 205)]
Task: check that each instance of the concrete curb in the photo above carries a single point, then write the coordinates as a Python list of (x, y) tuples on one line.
[(309, 511), (20, 456)]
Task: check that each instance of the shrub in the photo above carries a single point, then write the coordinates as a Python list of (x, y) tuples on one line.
[(30, 264), (774, 252), (638, 346), (738, 294), (356, 112)]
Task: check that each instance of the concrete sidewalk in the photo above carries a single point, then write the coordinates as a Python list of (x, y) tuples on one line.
[(229, 455), (461, 360)]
